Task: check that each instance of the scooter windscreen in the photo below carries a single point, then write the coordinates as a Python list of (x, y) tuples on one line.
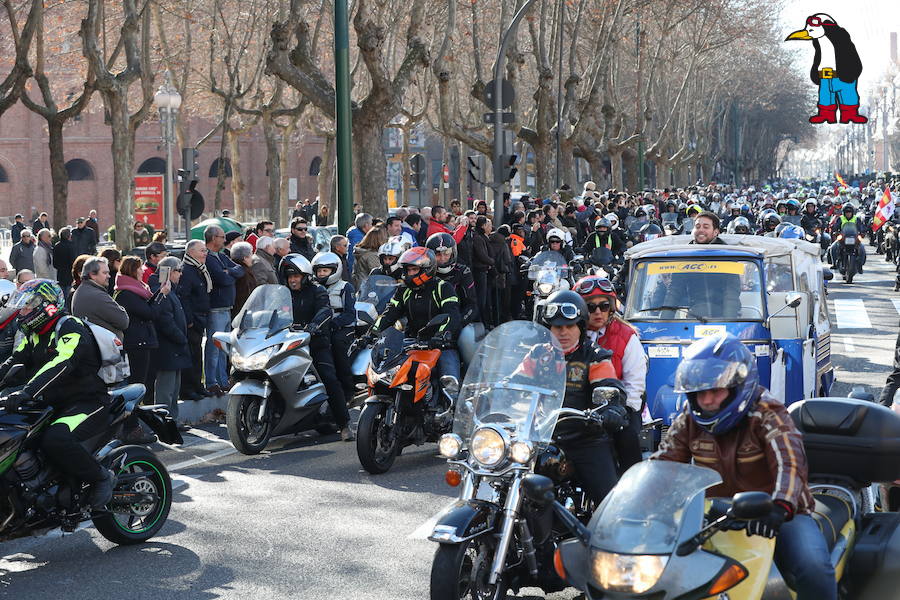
[(377, 289), (548, 261), (268, 307)]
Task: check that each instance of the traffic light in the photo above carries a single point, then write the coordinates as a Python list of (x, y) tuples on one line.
[(190, 170), (417, 170), (190, 202), (508, 167)]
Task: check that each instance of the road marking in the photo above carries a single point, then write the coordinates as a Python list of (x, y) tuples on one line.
[(896, 302), (851, 314), (848, 345), (202, 459)]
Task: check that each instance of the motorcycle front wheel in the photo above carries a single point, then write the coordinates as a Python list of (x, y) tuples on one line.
[(461, 571), (135, 523), (850, 269), (376, 447), (248, 434)]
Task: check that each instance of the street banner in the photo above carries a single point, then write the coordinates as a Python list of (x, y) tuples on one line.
[(885, 210), (149, 200)]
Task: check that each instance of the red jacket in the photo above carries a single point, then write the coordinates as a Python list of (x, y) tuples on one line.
[(616, 339), (435, 227)]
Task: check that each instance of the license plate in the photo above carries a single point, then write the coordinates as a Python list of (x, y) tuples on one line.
[(850, 241)]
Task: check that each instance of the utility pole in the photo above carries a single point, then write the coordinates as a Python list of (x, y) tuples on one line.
[(884, 136), (637, 105), (559, 88), (343, 115)]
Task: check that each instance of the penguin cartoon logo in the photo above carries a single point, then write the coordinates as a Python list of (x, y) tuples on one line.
[(836, 68)]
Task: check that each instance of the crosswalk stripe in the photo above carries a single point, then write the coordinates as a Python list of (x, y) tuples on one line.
[(851, 314), (896, 302)]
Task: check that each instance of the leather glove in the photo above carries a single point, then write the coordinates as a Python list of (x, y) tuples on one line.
[(615, 418), (768, 526), (440, 340), (16, 399)]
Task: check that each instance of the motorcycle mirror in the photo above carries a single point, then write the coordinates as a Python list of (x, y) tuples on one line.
[(450, 385), (827, 274), (794, 300), (747, 506), (602, 396), (538, 489)]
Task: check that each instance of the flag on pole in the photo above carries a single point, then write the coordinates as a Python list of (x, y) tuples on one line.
[(884, 211), (840, 179)]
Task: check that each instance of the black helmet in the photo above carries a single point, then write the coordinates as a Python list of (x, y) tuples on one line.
[(441, 243), (294, 264), (422, 258), (771, 222), (565, 307), (650, 231)]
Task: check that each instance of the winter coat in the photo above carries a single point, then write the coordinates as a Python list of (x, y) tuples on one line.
[(83, 240), (43, 262), (171, 329), (16, 232), (141, 333), (22, 256), (224, 274), (63, 257), (303, 246), (503, 260), (194, 297), (364, 260), (263, 268), (482, 260), (243, 287), (92, 302)]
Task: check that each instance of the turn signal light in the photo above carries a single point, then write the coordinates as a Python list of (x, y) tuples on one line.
[(558, 565), (732, 576), (453, 478), (218, 344)]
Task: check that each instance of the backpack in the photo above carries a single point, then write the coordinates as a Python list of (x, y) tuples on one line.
[(114, 367)]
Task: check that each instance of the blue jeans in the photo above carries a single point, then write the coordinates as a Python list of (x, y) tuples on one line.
[(834, 91), (215, 362), (802, 557), (448, 364)]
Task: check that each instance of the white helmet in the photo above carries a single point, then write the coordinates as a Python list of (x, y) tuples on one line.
[(650, 210), (328, 260), (557, 233), (613, 219), (393, 247)]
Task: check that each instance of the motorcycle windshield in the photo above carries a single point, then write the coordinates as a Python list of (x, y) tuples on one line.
[(387, 349), (643, 513), (670, 219), (548, 261), (849, 230), (269, 307), (377, 289), (601, 256), (516, 381), (793, 219)]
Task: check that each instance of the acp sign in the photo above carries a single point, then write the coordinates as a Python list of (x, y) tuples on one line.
[(694, 266)]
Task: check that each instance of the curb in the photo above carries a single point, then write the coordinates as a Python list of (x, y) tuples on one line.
[(191, 411)]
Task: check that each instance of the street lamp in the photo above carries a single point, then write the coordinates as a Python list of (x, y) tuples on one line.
[(168, 100)]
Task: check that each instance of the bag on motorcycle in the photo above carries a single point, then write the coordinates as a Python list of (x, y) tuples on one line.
[(855, 439), (875, 564), (114, 366)]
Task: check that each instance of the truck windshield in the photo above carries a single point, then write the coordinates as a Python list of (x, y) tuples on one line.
[(695, 290)]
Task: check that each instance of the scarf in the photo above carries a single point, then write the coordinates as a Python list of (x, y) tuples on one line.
[(49, 250), (130, 284), (202, 268)]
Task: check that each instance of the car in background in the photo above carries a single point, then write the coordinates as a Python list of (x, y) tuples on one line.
[(321, 235)]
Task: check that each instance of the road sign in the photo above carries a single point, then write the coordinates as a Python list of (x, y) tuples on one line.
[(509, 94), (507, 118), (445, 174)]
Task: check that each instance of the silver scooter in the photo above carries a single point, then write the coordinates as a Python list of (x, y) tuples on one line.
[(278, 391)]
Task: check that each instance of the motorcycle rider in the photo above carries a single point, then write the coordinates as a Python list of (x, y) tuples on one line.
[(327, 269), (603, 237), (770, 222), (810, 220), (425, 297), (388, 255), (848, 217), (734, 426), (459, 275), (312, 311), (556, 242), (61, 362)]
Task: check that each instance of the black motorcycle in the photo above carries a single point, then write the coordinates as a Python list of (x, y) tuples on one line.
[(849, 242), (36, 498)]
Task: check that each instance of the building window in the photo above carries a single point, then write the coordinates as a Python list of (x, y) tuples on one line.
[(4, 178), (79, 169), (153, 166), (315, 166), (214, 168)]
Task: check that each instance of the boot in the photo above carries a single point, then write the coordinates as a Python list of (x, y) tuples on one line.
[(849, 114), (827, 114), (102, 491)]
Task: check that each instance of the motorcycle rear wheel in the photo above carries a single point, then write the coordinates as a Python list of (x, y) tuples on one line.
[(460, 571), (376, 455), (248, 436), (144, 520)]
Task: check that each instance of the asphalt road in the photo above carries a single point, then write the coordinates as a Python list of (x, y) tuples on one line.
[(302, 520)]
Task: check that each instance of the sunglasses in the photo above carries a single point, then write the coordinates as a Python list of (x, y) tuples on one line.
[(588, 285), (566, 309), (299, 228), (603, 306)]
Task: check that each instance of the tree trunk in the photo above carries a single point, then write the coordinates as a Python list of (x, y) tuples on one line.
[(123, 167), (615, 167), (404, 167), (567, 165), (273, 168), (629, 162), (461, 171), (544, 169), (286, 134), (369, 157), (58, 174), (325, 179), (237, 180)]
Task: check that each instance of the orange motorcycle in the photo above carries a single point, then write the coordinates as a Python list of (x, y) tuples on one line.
[(406, 404)]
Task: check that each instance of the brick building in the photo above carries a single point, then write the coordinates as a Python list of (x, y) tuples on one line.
[(25, 184)]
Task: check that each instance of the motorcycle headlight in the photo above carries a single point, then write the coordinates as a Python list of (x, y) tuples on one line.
[(388, 376), (488, 446), (255, 362), (628, 573), (450, 445), (545, 289), (520, 452)]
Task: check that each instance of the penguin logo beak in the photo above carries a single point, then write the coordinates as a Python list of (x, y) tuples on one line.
[(801, 34)]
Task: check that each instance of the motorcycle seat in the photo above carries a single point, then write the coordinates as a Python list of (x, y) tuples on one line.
[(831, 514), (130, 393)]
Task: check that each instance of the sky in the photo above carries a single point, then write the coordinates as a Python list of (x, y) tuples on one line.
[(869, 23)]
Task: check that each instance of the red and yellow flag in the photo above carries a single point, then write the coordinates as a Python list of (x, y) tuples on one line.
[(884, 211), (840, 179)]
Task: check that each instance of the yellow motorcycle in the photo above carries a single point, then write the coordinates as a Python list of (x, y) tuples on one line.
[(657, 537)]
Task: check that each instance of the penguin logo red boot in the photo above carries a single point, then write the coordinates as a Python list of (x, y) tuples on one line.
[(836, 68)]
